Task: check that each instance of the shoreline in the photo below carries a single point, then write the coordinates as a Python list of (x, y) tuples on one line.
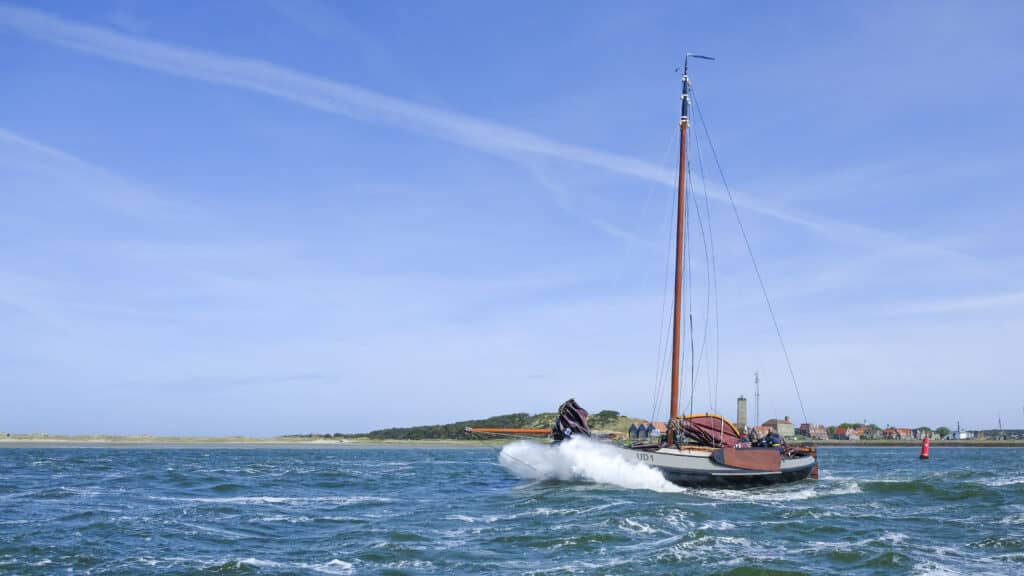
[(917, 443), (146, 441)]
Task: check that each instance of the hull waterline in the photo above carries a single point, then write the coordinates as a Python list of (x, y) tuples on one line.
[(695, 467)]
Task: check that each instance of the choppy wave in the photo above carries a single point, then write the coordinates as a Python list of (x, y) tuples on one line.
[(935, 488), (287, 500), (334, 566), (1006, 481), (582, 460), (462, 511), (783, 493)]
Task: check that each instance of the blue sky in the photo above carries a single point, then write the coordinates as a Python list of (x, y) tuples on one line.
[(275, 217)]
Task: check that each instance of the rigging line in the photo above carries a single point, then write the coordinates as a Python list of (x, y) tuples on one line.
[(663, 329), (688, 281), (634, 246), (498, 450), (714, 272), (696, 360), (707, 278), (686, 272), (750, 251), (663, 336), (662, 355), (693, 382)]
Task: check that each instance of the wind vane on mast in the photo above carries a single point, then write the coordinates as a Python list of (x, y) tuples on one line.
[(686, 60), (686, 82)]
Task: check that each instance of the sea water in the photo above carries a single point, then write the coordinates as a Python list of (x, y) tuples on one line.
[(523, 509)]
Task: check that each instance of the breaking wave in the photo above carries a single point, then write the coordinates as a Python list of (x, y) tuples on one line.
[(582, 460)]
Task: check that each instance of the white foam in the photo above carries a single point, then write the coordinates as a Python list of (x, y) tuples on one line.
[(632, 526), (717, 525), (581, 460), (257, 563), (338, 500), (409, 564), (933, 569), (473, 519), (997, 482), (333, 566), (212, 530), (887, 538), (784, 494)]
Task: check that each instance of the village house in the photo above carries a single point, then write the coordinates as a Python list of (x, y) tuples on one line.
[(643, 430), (898, 434), (783, 428), (813, 431), (871, 433), (844, 433)]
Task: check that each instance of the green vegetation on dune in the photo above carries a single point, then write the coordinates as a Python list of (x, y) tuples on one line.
[(603, 421), (610, 421)]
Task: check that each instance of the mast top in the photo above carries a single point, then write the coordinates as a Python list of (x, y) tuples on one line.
[(686, 60), (685, 112)]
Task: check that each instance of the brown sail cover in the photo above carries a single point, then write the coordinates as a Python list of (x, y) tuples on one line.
[(709, 430), (572, 420)]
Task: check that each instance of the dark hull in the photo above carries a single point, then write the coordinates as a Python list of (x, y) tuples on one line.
[(701, 478)]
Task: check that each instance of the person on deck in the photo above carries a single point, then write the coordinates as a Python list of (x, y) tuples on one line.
[(757, 440)]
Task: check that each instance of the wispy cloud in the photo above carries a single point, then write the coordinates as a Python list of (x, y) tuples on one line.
[(314, 92), (563, 198), (78, 178), (348, 100), (367, 105)]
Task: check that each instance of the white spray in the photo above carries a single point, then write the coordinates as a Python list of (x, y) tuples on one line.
[(581, 460)]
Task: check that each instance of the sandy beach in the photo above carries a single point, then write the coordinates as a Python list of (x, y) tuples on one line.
[(65, 441)]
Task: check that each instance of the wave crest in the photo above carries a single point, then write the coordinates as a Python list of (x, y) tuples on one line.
[(582, 460)]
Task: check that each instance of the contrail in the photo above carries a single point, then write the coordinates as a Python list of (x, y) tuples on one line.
[(311, 91), (356, 102)]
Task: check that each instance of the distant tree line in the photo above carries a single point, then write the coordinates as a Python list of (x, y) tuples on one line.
[(456, 430), (605, 419)]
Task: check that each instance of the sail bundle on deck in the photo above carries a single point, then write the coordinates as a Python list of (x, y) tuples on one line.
[(572, 421), (708, 430)]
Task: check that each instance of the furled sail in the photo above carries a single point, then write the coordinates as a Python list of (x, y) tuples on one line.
[(709, 430), (572, 421)]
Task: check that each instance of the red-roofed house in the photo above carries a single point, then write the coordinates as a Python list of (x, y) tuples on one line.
[(843, 433)]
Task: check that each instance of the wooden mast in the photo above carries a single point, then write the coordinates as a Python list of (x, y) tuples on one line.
[(677, 308), (684, 122)]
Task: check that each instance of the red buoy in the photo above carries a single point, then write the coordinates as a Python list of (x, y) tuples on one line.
[(924, 448)]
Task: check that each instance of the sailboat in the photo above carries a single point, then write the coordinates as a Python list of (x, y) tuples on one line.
[(707, 449), (698, 449)]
